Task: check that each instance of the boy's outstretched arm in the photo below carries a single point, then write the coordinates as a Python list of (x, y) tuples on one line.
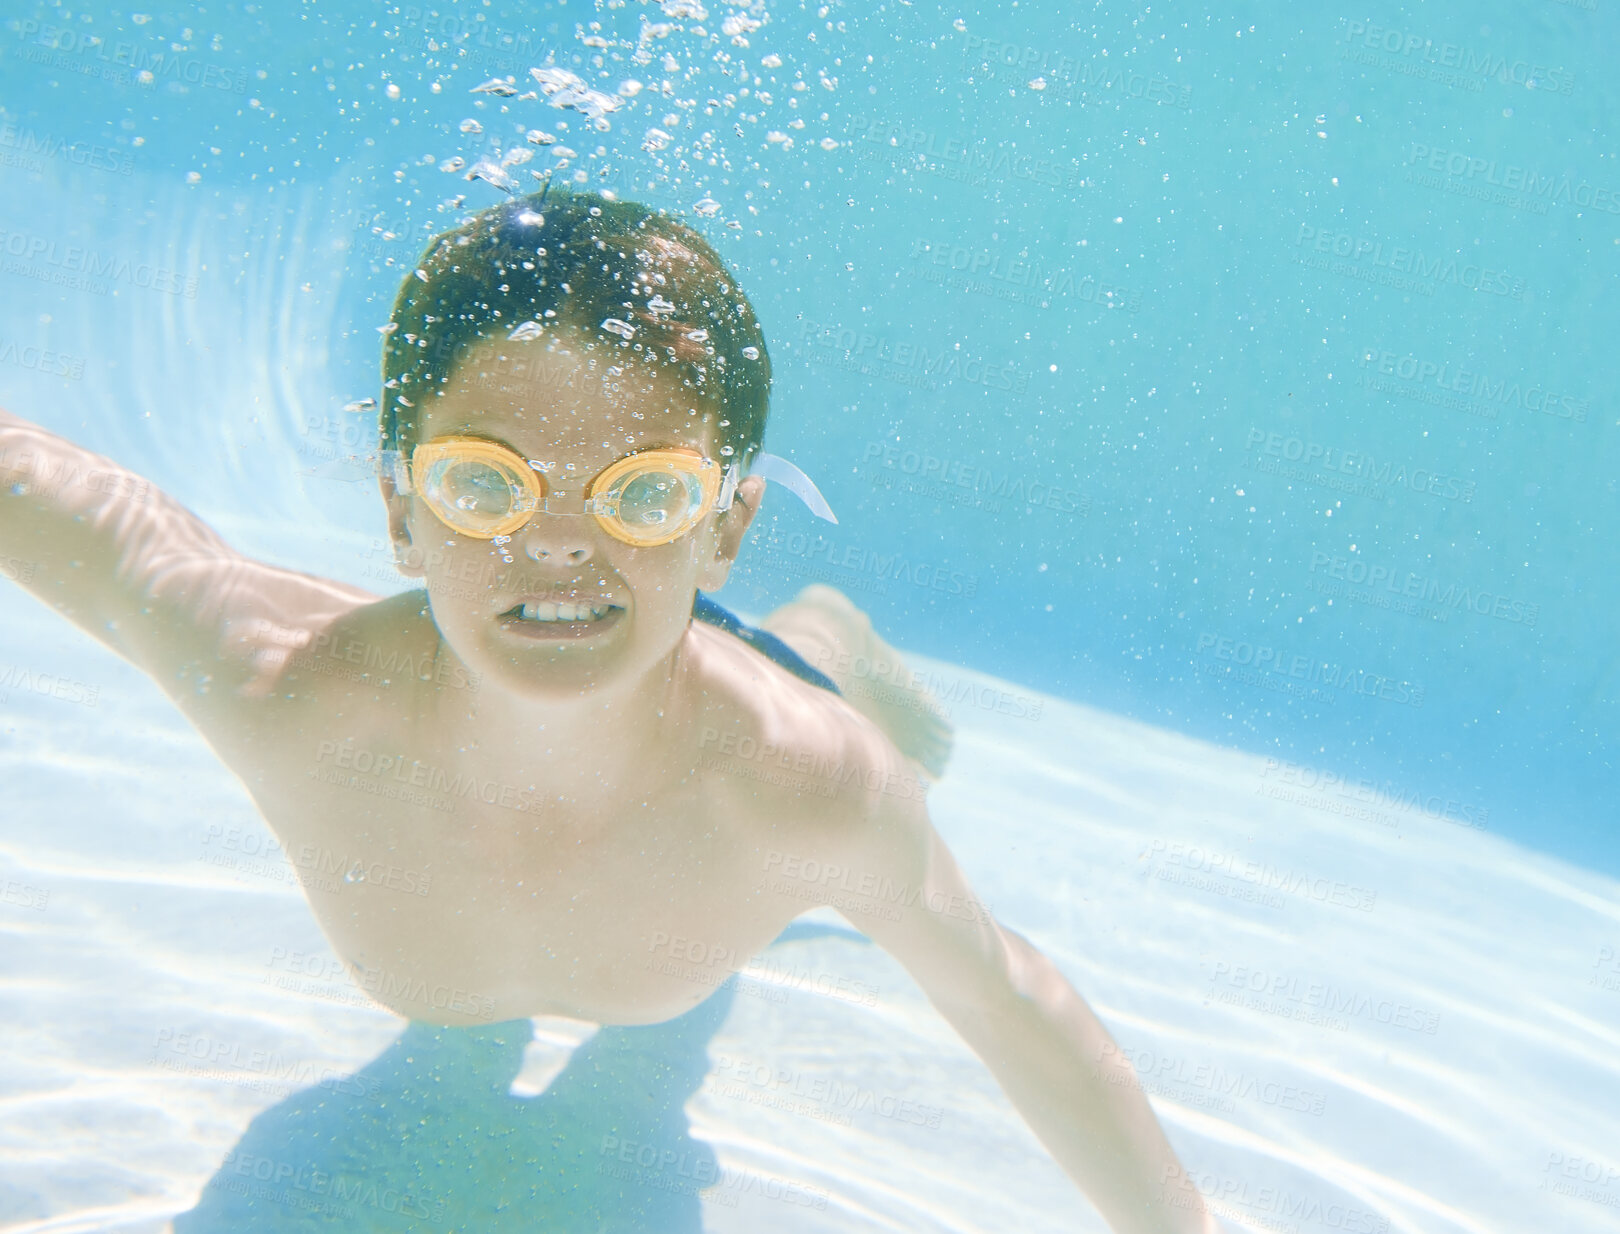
[(140, 573), (1052, 1057)]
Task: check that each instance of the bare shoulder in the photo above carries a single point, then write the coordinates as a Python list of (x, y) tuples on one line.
[(836, 816), (848, 827), (384, 643), (799, 749), (239, 617), (340, 653)]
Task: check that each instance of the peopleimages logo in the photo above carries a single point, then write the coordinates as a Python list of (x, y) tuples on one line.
[(69, 690), (975, 160), (41, 359), (879, 566), (24, 895), (785, 1087), (1283, 1210), (1066, 76), (525, 44), (74, 265), (1360, 464), (1263, 658), (298, 1184), (24, 145), (1364, 790), (1403, 265), (1514, 178), (310, 652), (50, 483), (1445, 61), (1152, 1065), (927, 363), (1331, 1000), (971, 475), (1494, 393), (1024, 279), (265, 1070), (1419, 587), (1194, 857), (144, 65)]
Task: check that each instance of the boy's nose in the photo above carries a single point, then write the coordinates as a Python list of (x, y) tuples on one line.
[(556, 539)]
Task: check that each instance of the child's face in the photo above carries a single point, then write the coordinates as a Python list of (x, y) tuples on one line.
[(555, 401)]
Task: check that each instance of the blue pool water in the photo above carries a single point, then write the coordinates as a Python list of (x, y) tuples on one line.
[(1218, 402)]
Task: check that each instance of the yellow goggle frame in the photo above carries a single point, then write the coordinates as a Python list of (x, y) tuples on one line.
[(480, 489)]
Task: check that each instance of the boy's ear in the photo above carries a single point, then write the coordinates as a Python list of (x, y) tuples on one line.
[(406, 561), (731, 528)]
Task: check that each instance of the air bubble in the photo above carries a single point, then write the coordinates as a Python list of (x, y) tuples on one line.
[(485, 169), (567, 90)]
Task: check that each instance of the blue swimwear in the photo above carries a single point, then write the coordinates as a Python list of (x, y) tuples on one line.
[(705, 609)]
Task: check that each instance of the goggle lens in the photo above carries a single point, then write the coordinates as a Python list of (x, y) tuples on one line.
[(474, 495), (653, 503)]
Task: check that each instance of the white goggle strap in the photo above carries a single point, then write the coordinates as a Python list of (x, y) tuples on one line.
[(392, 462), (729, 480), (774, 469)]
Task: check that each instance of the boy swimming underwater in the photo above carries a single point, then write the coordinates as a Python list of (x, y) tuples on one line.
[(574, 396)]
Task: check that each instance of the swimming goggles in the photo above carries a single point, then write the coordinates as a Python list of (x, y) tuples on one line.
[(481, 489)]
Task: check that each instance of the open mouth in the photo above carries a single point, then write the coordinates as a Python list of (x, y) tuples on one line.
[(560, 612), (541, 617)]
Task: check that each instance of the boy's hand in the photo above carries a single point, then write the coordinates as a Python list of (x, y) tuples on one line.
[(1046, 1048)]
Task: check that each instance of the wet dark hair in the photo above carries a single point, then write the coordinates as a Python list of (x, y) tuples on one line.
[(633, 280)]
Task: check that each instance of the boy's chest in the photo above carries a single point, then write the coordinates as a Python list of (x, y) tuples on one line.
[(463, 897)]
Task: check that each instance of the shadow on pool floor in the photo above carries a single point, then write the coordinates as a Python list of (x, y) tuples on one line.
[(428, 1137)]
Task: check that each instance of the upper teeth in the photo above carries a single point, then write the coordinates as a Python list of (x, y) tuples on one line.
[(545, 610)]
